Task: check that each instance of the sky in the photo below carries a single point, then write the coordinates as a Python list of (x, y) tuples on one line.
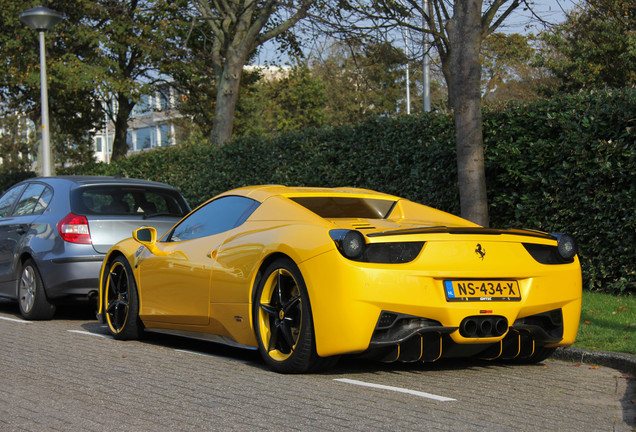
[(552, 11)]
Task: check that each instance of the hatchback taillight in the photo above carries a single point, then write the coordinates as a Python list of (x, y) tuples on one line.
[(74, 229)]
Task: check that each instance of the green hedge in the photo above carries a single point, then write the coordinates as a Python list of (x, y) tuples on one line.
[(566, 164)]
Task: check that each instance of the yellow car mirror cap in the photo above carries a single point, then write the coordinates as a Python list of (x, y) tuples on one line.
[(145, 235)]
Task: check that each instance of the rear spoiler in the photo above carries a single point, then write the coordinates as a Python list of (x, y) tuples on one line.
[(464, 230)]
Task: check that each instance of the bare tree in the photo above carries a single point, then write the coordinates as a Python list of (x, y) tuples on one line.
[(456, 30), (235, 28)]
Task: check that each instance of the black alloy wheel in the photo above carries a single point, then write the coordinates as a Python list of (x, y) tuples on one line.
[(121, 305)]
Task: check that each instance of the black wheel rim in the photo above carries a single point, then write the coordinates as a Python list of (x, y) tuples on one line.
[(117, 298), (280, 314)]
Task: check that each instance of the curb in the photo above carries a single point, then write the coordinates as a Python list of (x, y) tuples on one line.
[(621, 361)]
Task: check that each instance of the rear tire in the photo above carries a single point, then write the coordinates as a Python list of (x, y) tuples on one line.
[(121, 301), (31, 294), (283, 321)]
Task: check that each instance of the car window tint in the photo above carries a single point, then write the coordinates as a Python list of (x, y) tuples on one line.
[(127, 200), (9, 198), (218, 216), (29, 199), (346, 207)]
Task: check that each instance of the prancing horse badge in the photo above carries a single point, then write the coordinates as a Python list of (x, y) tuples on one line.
[(480, 251)]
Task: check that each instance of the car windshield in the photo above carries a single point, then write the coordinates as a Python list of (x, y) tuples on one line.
[(346, 207), (127, 200)]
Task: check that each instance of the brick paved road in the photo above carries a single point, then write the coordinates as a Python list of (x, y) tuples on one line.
[(65, 375)]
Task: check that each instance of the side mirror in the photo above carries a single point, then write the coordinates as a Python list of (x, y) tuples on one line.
[(145, 235)]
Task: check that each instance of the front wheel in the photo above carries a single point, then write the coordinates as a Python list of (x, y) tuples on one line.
[(283, 321), (31, 296), (121, 303)]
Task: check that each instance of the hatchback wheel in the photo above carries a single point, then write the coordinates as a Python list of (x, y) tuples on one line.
[(31, 296)]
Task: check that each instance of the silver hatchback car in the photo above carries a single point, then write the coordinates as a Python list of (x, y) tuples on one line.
[(55, 232)]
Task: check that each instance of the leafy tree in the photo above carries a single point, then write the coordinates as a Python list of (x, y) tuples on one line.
[(131, 39), (104, 50), (595, 47), (288, 100), (361, 80), (231, 32), (507, 70), (17, 144), (70, 70)]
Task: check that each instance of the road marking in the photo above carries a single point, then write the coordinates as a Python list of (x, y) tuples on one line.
[(15, 320), (90, 334), (213, 356), (396, 389)]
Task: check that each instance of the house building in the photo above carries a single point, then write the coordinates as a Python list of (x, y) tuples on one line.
[(151, 125)]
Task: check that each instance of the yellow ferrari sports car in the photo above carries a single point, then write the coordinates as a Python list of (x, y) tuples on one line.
[(306, 275)]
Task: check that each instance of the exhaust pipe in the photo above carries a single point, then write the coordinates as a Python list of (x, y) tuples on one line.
[(468, 328), (483, 326), (501, 326)]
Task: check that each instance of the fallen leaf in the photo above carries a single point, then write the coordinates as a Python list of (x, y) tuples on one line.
[(586, 322), (593, 367), (577, 364)]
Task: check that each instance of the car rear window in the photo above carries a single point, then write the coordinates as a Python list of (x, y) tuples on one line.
[(115, 200), (346, 207)]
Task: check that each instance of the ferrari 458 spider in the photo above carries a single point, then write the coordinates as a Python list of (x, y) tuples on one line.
[(309, 274)]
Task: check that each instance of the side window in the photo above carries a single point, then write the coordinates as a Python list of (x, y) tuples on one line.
[(44, 201), (29, 199), (218, 216), (8, 199)]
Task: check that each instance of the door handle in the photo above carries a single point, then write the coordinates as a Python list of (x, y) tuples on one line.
[(20, 230), (211, 254)]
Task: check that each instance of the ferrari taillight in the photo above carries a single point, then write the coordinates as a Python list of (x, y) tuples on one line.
[(74, 229), (352, 245)]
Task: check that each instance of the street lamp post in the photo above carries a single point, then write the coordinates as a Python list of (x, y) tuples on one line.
[(42, 19)]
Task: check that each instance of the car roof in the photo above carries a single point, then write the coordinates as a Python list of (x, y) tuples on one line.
[(92, 180), (262, 192)]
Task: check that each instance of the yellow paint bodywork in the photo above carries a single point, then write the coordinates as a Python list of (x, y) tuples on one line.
[(205, 286)]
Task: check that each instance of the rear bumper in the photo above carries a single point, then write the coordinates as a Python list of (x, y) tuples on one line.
[(347, 302), (71, 276)]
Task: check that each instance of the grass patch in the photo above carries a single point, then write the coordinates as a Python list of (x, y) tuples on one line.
[(608, 323)]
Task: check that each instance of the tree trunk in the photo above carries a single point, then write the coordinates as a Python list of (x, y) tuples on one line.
[(226, 98), (465, 35), (120, 146)]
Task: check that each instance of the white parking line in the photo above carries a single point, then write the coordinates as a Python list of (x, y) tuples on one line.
[(15, 320), (396, 389), (213, 356), (90, 334)]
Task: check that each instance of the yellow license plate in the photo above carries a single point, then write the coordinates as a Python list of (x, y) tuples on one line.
[(482, 290)]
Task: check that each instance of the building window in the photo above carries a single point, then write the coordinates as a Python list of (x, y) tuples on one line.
[(144, 139), (130, 140)]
